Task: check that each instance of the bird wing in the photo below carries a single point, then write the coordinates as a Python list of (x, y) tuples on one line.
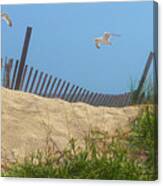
[(6, 18), (106, 36)]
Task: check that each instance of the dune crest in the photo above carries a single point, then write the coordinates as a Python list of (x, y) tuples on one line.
[(27, 119)]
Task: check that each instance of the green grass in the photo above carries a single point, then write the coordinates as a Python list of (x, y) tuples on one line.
[(130, 157)]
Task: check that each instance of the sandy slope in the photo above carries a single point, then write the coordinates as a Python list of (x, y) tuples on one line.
[(27, 118)]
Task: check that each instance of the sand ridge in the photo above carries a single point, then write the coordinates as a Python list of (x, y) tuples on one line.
[(27, 119)]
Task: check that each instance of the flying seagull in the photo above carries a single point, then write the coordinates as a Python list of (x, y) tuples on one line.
[(7, 19), (105, 39)]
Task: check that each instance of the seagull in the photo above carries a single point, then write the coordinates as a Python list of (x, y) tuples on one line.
[(105, 39), (7, 19)]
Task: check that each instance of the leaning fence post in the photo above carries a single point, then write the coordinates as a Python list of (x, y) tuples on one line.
[(23, 57), (145, 72)]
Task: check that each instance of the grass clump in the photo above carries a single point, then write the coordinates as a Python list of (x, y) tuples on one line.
[(146, 95), (130, 157)]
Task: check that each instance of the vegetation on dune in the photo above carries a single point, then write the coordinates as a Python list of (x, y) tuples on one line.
[(122, 157), (147, 93)]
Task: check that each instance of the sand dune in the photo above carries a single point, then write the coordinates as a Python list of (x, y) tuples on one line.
[(27, 119)]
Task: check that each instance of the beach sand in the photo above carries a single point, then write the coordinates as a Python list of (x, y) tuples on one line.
[(28, 119)]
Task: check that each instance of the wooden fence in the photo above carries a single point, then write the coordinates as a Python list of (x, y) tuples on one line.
[(43, 84)]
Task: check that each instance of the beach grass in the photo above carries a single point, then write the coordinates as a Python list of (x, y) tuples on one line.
[(131, 156)]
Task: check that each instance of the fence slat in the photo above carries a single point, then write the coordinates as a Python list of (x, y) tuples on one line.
[(23, 77), (1, 70), (38, 83), (14, 74), (73, 94), (33, 81), (47, 86), (100, 100), (107, 100), (60, 91), (82, 95), (120, 100), (5, 75), (69, 94), (124, 99), (114, 100), (8, 67), (90, 97), (94, 99), (78, 95), (104, 100), (86, 96), (56, 89), (110, 100), (52, 86), (65, 91), (43, 84), (4, 72), (97, 100), (28, 80)]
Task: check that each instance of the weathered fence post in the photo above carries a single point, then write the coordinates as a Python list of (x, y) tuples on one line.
[(23, 57), (143, 78)]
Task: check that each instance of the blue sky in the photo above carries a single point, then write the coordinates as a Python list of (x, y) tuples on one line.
[(62, 41)]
